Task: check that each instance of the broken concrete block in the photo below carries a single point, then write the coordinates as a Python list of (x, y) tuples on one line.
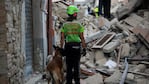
[(101, 21), (113, 21), (99, 55), (130, 76), (119, 36), (83, 59), (94, 36), (139, 68), (125, 50), (131, 39), (90, 65), (111, 46), (82, 66), (142, 81), (90, 57), (114, 78), (101, 62), (143, 51), (95, 79), (123, 27), (114, 9)]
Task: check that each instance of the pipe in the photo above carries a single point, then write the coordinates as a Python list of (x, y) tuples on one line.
[(50, 31), (125, 72)]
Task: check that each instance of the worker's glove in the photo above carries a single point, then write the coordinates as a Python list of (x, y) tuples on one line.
[(84, 52)]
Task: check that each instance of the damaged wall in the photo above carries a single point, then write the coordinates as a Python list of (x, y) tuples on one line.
[(11, 58)]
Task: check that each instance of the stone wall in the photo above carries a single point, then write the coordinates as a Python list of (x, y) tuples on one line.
[(11, 59)]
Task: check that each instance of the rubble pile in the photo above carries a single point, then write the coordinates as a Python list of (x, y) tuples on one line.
[(117, 50)]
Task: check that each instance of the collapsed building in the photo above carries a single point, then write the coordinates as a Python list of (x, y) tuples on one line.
[(117, 50)]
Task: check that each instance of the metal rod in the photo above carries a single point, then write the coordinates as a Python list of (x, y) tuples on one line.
[(125, 72)]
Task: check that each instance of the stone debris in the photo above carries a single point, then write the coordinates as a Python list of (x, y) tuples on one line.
[(111, 46), (96, 79), (104, 64)]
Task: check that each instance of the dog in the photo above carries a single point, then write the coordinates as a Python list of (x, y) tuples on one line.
[(55, 67)]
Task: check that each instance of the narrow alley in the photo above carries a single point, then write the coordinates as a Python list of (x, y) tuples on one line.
[(117, 47)]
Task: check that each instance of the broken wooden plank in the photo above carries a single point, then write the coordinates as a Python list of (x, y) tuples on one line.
[(144, 62), (143, 34), (139, 73), (87, 72), (103, 72), (104, 40)]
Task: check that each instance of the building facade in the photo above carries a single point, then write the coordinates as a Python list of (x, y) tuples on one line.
[(23, 41)]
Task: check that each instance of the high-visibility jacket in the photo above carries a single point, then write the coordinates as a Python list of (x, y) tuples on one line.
[(72, 31)]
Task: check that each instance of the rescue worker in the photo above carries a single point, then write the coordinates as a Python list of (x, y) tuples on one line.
[(96, 11), (72, 37), (106, 6)]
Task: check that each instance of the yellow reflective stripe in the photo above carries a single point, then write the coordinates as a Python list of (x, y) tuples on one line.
[(72, 33)]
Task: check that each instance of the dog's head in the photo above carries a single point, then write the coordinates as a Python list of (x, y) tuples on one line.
[(59, 50)]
